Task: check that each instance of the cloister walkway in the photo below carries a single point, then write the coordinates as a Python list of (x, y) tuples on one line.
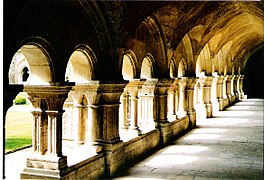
[(228, 146)]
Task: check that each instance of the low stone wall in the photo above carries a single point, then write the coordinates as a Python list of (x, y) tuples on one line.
[(137, 148), (92, 168), (124, 154)]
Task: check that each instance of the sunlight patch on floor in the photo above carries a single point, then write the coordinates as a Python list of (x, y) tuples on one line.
[(186, 149), (163, 160)]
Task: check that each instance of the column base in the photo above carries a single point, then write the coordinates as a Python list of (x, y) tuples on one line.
[(221, 104), (49, 166), (208, 107), (36, 173), (115, 157), (192, 119), (225, 103)]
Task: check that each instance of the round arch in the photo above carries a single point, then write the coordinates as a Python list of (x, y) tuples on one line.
[(172, 69), (37, 59), (147, 67), (82, 65), (181, 68), (129, 65)]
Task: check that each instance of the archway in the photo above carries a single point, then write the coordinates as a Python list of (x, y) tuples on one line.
[(147, 68), (81, 67), (30, 65), (129, 67), (254, 77)]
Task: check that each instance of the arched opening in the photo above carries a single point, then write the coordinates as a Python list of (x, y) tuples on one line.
[(80, 67), (30, 65), (128, 68), (172, 70), (147, 68), (181, 69), (35, 58), (254, 77)]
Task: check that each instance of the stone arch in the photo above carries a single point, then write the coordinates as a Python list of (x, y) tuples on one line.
[(189, 54), (17, 65), (129, 65), (182, 68), (82, 65), (39, 63), (153, 26), (172, 69), (147, 67), (204, 62)]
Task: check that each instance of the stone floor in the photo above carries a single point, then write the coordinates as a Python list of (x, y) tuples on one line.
[(228, 146)]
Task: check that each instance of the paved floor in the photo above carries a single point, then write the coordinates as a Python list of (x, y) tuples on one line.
[(229, 146)]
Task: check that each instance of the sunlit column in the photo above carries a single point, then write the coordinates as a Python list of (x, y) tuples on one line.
[(242, 95), (229, 88), (134, 113), (220, 92), (123, 111), (190, 101), (207, 95), (79, 123), (200, 107), (171, 105), (182, 84), (214, 89), (54, 132), (236, 93), (225, 91), (47, 129), (92, 124)]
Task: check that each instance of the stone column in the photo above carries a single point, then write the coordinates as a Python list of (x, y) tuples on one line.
[(132, 89), (200, 107), (92, 127), (225, 91), (146, 108), (229, 89), (207, 95), (242, 95), (220, 92), (214, 93), (160, 110), (79, 120), (190, 101), (182, 105), (123, 111), (47, 159), (171, 104), (79, 123), (235, 88)]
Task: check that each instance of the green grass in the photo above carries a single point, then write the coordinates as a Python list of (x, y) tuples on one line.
[(18, 129)]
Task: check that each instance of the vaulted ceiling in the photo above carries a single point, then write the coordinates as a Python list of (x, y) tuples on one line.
[(236, 27)]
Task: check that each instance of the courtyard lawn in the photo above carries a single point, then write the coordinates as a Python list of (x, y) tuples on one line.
[(18, 128)]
